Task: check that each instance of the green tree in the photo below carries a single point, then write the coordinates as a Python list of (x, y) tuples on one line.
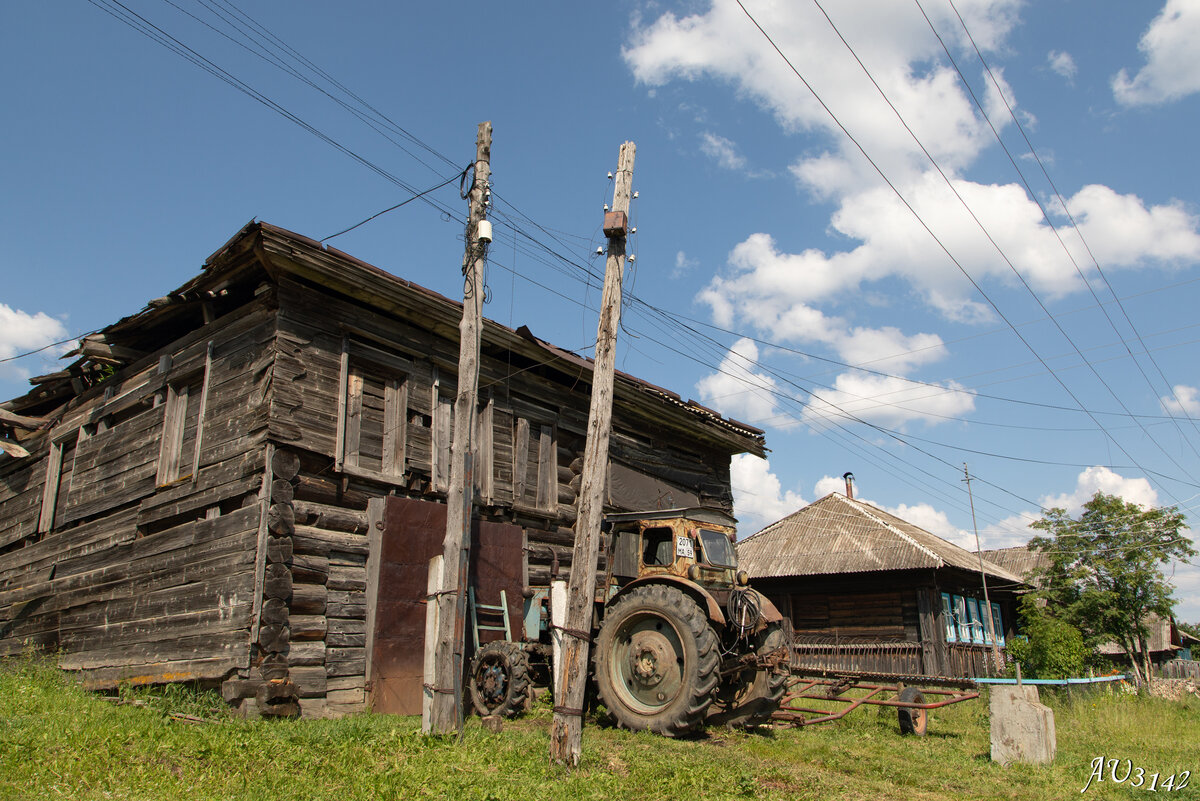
[(1104, 570)]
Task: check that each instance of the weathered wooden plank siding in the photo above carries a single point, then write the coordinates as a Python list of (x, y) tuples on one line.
[(21, 483), (140, 580)]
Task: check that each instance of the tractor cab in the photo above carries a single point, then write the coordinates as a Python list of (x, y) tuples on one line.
[(695, 544)]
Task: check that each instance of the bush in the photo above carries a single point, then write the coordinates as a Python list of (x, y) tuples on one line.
[(1052, 648)]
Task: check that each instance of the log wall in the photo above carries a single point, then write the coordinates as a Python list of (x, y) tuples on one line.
[(363, 399), (202, 514)]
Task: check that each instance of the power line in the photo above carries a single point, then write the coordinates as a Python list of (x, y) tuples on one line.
[(1063, 203), (1053, 229), (928, 230), (393, 208)]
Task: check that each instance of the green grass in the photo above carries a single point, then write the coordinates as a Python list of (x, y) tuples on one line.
[(57, 741)]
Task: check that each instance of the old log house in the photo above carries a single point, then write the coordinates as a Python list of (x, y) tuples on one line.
[(866, 591), (243, 483)]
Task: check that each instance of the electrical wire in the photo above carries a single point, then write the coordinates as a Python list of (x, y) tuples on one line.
[(1004, 256), (393, 208), (1062, 202)]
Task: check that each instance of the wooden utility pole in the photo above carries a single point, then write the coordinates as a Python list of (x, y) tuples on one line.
[(567, 728), (987, 601), (446, 715)]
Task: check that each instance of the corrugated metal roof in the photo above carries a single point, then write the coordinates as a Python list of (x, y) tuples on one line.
[(841, 535), (1019, 560)]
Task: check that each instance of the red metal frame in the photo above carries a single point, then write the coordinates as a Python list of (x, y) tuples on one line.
[(801, 688)]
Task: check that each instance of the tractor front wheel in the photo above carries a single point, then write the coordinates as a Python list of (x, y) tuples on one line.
[(499, 679)]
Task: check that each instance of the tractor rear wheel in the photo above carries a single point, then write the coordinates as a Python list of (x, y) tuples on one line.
[(656, 661), (750, 697)]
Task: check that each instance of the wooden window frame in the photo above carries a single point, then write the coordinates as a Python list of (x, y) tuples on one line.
[(483, 453), (175, 396), (975, 621), (395, 417), (50, 491), (546, 488), (961, 621), (998, 623), (948, 622)]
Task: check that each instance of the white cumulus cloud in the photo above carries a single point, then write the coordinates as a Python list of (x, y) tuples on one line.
[(1062, 64), (1185, 401), (994, 233), (888, 401), (737, 390), (1172, 68), (722, 151), (21, 332), (758, 496), (1101, 479)]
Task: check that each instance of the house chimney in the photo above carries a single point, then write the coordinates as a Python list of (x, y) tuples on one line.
[(849, 477)]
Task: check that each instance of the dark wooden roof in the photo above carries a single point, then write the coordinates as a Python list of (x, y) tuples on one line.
[(261, 253), (841, 535)]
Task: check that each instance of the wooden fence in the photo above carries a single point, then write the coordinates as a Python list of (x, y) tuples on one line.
[(832, 654), (1181, 669)]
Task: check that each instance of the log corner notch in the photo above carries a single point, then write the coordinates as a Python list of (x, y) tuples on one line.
[(274, 693)]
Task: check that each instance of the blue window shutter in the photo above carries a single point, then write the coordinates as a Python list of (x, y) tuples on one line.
[(976, 621), (999, 623), (948, 618)]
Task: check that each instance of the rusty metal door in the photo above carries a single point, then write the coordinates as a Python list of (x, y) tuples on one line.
[(412, 535)]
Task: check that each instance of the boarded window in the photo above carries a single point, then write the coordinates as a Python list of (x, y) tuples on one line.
[(442, 432), (376, 420), (374, 414), (117, 456), (60, 464), (535, 465), (181, 428)]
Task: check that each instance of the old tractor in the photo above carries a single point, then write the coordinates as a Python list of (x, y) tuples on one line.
[(679, 637)]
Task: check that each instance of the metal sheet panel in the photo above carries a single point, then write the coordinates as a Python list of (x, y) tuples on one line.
[(413, 534)]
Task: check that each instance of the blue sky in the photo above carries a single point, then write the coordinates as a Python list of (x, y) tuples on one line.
[(875, 279)]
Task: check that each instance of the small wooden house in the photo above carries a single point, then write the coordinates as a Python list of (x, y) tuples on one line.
[(244, 482), (866, 591)]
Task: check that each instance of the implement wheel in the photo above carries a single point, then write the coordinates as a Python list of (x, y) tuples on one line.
[(656, 661), (748, 698), (499, 679), (912, 721)]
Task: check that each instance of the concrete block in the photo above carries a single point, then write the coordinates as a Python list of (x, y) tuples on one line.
[(1022, 728)]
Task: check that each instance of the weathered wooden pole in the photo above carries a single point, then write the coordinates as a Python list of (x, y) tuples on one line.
[(997, 662), (566, 731), (446, 713)]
